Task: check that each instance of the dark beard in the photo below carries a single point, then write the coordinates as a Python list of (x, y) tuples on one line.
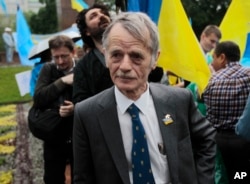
[(97, 34)]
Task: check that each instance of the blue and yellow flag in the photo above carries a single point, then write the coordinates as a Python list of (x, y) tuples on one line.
[(23, 38), (236, 23), (235, 26), (245, 60), (79, 5), (180, 50)]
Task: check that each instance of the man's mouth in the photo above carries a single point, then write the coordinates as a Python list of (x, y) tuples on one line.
[(104, 24)]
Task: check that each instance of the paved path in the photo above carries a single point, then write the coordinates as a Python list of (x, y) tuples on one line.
[(28, 160)]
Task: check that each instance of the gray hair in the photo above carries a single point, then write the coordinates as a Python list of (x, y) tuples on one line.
[(136, 23)]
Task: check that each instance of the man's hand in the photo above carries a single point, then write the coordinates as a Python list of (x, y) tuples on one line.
[(68, 79), (66, 109)]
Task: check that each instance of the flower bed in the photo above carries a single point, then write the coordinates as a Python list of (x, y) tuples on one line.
[(7, 142)]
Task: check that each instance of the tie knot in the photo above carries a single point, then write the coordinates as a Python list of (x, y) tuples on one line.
[(133, 111)]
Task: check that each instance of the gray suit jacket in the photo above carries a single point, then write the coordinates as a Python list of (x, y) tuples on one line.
[(98, 147)]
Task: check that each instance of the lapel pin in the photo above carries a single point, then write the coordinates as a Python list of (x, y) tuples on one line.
[(167, 120)]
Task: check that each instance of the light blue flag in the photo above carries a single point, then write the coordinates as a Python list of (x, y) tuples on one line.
[(23, 39), (154, 8), (3, 5), (245, 61), (151, 7)]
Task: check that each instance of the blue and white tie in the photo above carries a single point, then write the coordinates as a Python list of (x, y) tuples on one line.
[(141, 167)]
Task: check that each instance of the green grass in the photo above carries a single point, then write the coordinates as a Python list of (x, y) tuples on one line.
[(9, 92)]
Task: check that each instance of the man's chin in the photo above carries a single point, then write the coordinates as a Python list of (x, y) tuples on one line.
[(125, 86)]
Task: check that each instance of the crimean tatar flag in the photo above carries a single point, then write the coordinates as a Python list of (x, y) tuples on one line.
[(24, 41), (180, 50), (79, 5), (236, 23), (3, 5)]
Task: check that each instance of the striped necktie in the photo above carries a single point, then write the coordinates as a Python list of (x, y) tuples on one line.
[(141, 167)]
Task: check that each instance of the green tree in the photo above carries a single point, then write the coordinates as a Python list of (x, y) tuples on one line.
[(109, 3), (204, 12), (45, 21)]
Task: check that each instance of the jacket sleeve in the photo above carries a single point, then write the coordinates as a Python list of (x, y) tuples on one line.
[(48, 88), (243, 125), (83, 165), (203, 142)]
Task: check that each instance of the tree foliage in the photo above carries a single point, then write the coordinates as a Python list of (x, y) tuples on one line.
[(45, 21), (204, 12)]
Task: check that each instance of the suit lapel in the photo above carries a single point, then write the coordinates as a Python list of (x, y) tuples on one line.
[(110, 126), (169, 131)]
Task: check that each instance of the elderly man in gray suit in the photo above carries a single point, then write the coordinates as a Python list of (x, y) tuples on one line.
[(136, 132)]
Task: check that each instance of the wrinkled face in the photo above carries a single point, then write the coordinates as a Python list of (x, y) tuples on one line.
[(63, 58), (128, 60), (96, 21), (209, 42)]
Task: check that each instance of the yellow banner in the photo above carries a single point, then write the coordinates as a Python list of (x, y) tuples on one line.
[(180, 50)]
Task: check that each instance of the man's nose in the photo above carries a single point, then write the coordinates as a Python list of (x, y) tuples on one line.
[(60, 60), (125, 63)]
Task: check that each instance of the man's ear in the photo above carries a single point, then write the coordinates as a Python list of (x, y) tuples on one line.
[(105, 56), (223, 60), (202, 36), (156, 60)]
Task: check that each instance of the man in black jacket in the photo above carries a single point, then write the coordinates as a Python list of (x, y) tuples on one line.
[(54, 91), (91, 75)]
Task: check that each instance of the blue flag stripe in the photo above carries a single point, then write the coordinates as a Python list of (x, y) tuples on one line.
[(151, 7)]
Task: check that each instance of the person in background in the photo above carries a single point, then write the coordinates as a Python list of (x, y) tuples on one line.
[(242, 127), (91, 74), (54, 91), (225, 98), (156, 74), (209, 38), (9, 44), (169, 141)]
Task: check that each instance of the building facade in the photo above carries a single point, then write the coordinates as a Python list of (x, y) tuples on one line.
[(25, 5)]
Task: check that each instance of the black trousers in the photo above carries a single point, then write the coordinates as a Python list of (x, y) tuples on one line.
[(56, 157), (235, 152)]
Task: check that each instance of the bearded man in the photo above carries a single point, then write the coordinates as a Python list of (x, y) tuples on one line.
[(91, 75)]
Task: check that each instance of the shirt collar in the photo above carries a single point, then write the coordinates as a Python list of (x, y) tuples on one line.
[(124, 102), (71, 69), (232, 63)]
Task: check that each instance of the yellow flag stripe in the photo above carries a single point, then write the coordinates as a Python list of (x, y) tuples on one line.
[(236, 23), (76, 6), (180, 49)]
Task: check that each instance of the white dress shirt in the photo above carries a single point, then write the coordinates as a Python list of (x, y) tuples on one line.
[(159, 164)]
